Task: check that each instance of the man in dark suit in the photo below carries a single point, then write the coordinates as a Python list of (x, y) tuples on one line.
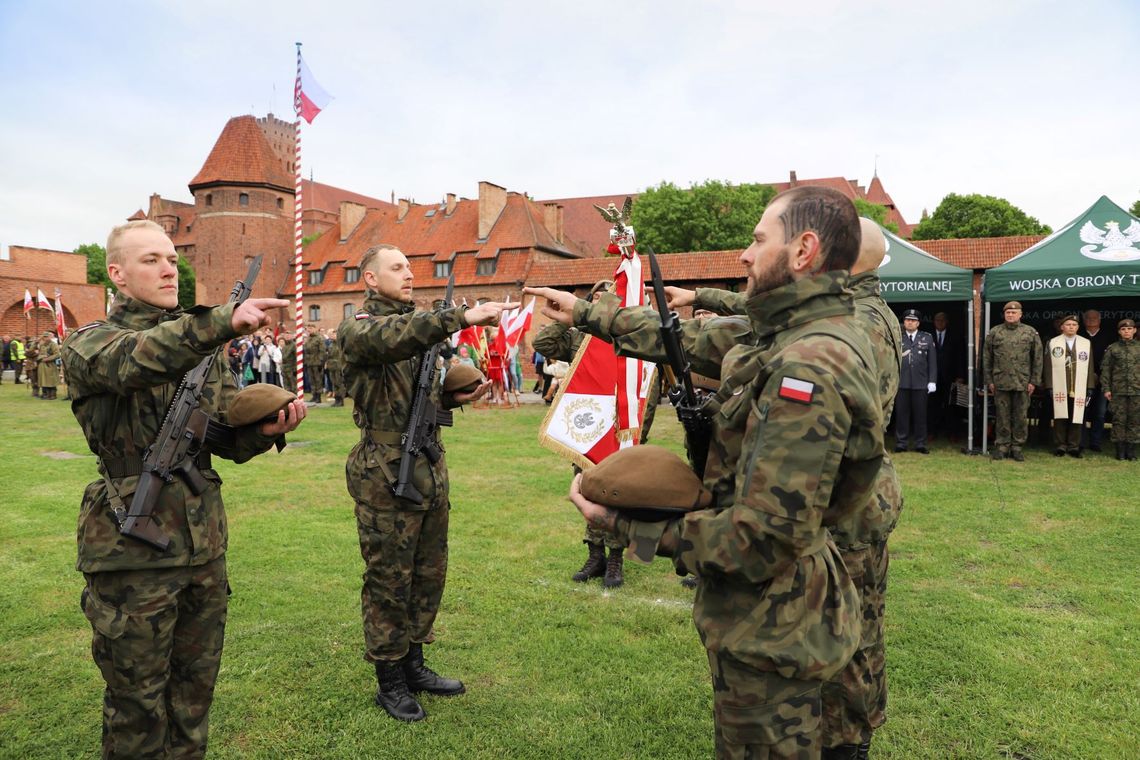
[(949, 353), (918, 377), (1097, 407)]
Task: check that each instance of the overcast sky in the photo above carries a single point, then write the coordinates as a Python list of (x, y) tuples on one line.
[(1035, 102)]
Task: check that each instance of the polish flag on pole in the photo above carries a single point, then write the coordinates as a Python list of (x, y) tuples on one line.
[(60, 325), (42, 301), (514, 324), (310, 94), (28, 303)]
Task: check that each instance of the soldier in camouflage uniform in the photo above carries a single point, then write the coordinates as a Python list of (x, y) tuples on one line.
[(31, 366), (1012, 364), (288, 363), (1120, 378), (48, 370), (315, 355), (157, 617), (404, 544), (796, 449), (335, 370)]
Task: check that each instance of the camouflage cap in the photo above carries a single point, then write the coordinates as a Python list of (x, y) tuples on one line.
[(646, 480), (1012, 305), (463, 378), (1125, 323), (256, 402)]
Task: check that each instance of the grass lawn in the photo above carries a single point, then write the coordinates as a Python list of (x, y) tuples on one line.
[(1012, 612)]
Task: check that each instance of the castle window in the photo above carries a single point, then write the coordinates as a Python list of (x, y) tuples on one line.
[(349, 310), (486, 267), (316, 277), (243, 199), (314, 313), (280, 203), (209, 199), (352, 274), (443, 269)]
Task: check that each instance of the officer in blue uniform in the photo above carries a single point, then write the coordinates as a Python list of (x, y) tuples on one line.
[(917, 378)]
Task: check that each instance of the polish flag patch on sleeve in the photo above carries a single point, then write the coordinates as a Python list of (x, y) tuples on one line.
[(362, 315), (797, 390)]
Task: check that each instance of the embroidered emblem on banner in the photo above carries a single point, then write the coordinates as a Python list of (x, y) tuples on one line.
[(1057, 352), (797, 390), (1083, 356)]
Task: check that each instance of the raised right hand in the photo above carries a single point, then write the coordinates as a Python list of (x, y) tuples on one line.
[(250, 314), (675, 297), (487, 313)]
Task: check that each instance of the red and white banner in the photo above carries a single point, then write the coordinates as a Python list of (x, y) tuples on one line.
[(60, 325), (515, 323), (629, 284), (311, 96), (28, 303), (42, 301)]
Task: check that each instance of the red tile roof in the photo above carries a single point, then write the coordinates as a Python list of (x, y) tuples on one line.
[(317, 195), (427, 235), (583, 226), (137, 216), (978, 253), (675, 267), (876, 193), (243, 155)]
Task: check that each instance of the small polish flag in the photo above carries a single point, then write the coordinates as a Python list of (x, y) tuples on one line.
[(796, 390), (28, 304), (310, 97)]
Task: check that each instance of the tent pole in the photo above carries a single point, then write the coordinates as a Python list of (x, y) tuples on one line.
[(985, 390), (970, 376)]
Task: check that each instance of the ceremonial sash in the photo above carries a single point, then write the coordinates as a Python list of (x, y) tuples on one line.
[(1060, 363)]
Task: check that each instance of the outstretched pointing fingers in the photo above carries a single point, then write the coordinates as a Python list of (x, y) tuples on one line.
[(251, 314)]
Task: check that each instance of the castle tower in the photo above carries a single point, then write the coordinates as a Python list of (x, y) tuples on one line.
[(243, 202)]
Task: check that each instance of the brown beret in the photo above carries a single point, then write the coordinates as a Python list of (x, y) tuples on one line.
[(1070, 318), (650, 481), (256, 402), (1125, 323), (1012, 305), (463, 378)]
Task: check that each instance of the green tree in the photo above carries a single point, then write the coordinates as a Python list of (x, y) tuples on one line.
[(876, 213), (1135, 210), (713, 216), (97, 272), (973, 216), (96, 263)]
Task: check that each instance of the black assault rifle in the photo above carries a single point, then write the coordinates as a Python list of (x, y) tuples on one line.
[(682, 394), (424, 420), (179, 441)]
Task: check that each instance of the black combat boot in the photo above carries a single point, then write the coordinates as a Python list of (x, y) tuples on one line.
[(338, 401), (393, 693), (1130, 452), (614, 577), (842, 752), (420, 677), (595, 566), (689, 581), (1120, 452)]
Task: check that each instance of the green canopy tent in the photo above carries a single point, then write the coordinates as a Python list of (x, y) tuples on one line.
[(910, 274), (1095, 256)]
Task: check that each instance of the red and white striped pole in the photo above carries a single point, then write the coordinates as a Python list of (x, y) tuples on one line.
[(298, 287)]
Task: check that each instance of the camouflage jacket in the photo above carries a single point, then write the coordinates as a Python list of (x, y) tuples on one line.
[(879, 516), (1013, 357), (557, 342), (719, 301), (382, 345), (315, 351), (289, 356), (333, 363), (801, 443), (1120, 371), (123, 374)]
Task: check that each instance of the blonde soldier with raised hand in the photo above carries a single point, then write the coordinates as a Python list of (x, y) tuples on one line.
[(403, 542), (796, 449), (157, 616)]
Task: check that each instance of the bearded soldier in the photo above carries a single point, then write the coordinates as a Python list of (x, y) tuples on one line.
[(1070, 378), (157, 616), (796, 448), (403, 542)]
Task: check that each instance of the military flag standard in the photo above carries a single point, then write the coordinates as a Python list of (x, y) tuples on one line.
[(42, 301), (60, 325)]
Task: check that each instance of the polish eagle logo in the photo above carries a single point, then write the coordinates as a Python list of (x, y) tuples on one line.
[(1114, 244)]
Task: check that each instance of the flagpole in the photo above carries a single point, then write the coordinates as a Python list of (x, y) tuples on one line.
[(298, 288)]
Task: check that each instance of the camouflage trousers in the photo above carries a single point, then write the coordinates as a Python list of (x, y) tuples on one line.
[(289, 379), (1011, 419), (337, 378), (761, 715), (855, 699), (405, 566), (157, 640), (1125, 419)]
